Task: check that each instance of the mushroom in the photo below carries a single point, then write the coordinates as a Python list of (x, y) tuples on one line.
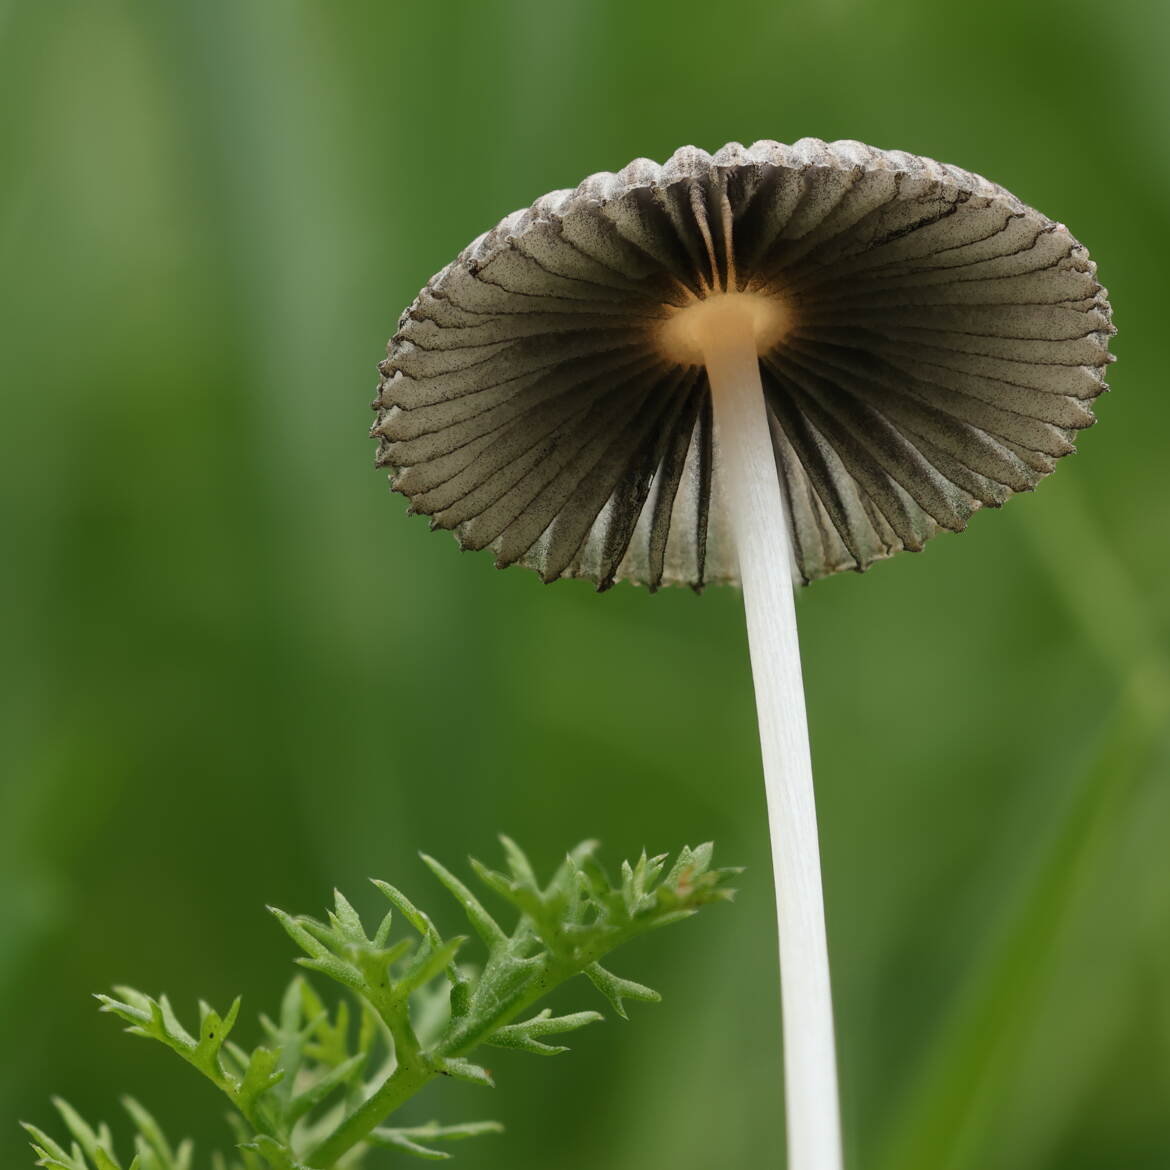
[(762, 367)]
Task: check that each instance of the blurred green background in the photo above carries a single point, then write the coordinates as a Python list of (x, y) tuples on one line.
[(235, 673)]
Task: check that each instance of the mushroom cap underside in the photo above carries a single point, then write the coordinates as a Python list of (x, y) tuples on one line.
[(942, 344)]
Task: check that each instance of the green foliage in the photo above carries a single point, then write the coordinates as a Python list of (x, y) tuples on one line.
[(317, 1091), (94, 1149)]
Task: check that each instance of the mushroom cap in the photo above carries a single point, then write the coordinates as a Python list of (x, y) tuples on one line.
[(943, 344)]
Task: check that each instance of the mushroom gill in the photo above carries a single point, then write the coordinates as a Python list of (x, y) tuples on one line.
[(928, 345)]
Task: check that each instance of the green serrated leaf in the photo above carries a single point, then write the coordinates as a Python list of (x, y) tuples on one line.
[(464, 1070), (295, 928), (616, 989), (347, 918), (156, 1019), (50, 1154), (629, 887), (690, 864), (277, 1155), (292, 1007), (151, 1133), (518, 863), (244, 1143), (161, 1011), (93, 1149), (561, 930), (138, 1018), (234, 1059), (82, 1133), (670, 918), (498, 882), (525, 897), (261, 1074), (409, 1140), (428, 964), (382, 934), (575, 859), (420, 921), (184, 1155), (397, 1140), (317, 1092), (324, 1040), (484, 924), (526, 1036), (433, 1131), (344, 973), (213, 1031)]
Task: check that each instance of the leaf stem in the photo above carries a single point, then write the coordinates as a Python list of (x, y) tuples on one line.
[(519, 982), (413, 1069), (395, 1090), (416, 1068)]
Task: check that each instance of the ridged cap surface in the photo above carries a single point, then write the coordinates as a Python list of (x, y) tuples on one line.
[(945, 344)]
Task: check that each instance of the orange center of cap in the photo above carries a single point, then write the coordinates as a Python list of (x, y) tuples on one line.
[(688, 331)]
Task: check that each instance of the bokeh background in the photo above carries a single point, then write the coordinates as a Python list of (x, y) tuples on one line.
[(236, 673)]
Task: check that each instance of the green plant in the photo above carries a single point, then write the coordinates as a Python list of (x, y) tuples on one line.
[(316, 1093)]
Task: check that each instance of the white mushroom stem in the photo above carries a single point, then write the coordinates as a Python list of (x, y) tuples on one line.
[(727, 337)]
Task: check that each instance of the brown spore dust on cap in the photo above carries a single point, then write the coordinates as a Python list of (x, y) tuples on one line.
[(928, 345)]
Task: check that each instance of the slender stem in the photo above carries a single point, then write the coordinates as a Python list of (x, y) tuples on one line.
[(399, 1087), (416, 1068), (412, 1070), (763, 541)]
